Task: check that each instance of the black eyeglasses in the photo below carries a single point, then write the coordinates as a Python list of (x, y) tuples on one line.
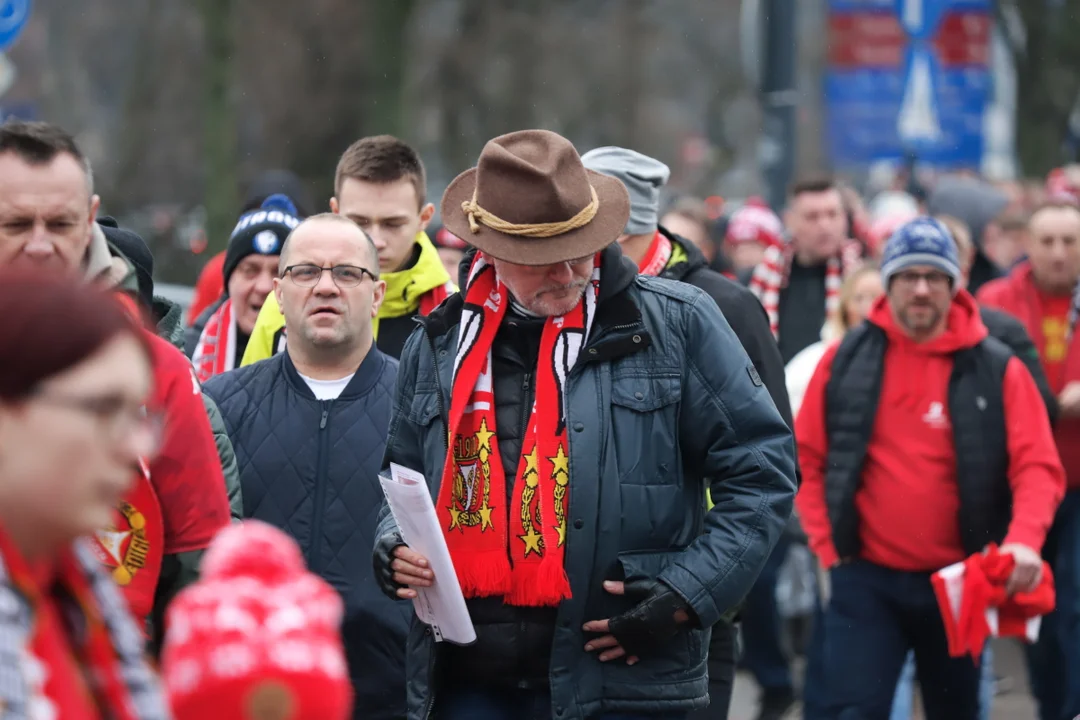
[(344, 276)]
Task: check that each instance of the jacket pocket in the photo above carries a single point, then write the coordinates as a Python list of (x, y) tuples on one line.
[(677, 671), (424, 407), (645, 422)]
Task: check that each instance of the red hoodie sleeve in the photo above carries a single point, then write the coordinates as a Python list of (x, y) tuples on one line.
[(812, 439), (187, 473), (1036, 476)]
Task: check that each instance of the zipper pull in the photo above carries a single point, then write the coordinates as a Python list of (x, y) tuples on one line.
[(322, 423)]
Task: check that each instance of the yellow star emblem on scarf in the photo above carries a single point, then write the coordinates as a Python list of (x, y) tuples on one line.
[(532, 542)]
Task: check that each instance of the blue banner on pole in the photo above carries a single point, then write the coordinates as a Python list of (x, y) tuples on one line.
[(908, 76), (13, 17)]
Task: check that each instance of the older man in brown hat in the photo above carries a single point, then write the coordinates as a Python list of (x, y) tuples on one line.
[(569, 416)]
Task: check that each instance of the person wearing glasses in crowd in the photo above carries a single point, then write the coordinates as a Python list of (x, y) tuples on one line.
[(922, 439), (73, 431), (309, 427)]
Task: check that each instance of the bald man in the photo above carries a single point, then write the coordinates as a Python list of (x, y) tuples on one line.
[(309, 427)]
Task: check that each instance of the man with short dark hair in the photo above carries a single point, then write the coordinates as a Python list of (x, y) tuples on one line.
[(569, 415), (47, 223), (799, 283), (309, 427), (380, 185)]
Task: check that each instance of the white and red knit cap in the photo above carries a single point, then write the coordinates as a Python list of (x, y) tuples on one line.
[(1063, 184), (755, 222), (258, 637)]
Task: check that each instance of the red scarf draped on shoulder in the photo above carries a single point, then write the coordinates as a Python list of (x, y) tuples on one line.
[(516, 552)]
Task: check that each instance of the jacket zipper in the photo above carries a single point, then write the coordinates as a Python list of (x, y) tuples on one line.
[(431, 677), (446, 442), (314, 559), (527, 399)]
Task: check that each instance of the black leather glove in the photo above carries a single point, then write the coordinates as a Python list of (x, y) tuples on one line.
[(648, 625), (381, 558)]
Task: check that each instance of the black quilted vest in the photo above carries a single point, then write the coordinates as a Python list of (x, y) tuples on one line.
[(977, 409)]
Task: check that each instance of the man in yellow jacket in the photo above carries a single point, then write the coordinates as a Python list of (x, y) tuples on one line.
[(380, 185)]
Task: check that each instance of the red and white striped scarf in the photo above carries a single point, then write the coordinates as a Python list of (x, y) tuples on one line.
[(216, 351), (772, 274)]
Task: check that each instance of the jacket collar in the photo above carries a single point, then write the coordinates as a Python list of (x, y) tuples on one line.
[(684, 262), (618, 319), (367, 375)]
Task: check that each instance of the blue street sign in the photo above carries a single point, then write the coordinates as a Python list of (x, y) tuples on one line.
[(908, 76), (13, 17)]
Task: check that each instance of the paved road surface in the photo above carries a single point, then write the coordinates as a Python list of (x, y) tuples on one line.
[(1016, 704)]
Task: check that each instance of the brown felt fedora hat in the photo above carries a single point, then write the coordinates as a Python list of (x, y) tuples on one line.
[(530, 201)]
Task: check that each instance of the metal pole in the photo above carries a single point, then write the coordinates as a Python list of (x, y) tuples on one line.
[(779, 99)]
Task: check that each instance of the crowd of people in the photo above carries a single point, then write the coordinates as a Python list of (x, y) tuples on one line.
[(627, 414)]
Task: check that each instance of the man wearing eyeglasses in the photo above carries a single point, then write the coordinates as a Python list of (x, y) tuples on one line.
[(309, 427), (922, 440)]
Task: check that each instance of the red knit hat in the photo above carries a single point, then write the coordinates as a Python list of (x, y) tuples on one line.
[(755, 222), (258, 637)]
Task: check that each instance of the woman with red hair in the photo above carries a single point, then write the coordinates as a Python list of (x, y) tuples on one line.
[(75, 372)]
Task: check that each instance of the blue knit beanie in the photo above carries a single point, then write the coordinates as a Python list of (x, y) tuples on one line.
[(922, 241)]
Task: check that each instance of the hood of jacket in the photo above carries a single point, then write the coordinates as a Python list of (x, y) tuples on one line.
[(169, 317), (964, 327), (685, 256)]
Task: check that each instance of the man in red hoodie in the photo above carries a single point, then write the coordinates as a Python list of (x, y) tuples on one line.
[(921, 441), (1040, 292)]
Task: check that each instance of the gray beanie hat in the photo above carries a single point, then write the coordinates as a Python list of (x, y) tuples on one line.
[(643, 177)]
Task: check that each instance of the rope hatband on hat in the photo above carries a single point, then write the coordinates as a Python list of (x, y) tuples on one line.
[(479, 216)]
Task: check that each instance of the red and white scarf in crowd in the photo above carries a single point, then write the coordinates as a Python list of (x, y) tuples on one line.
[(772, 274), (516, 552), (216, 351), (656, 257)]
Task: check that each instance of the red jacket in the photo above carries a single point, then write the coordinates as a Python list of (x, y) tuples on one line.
[(1017, 295), (208, 288), (908, 498), (177, 504)]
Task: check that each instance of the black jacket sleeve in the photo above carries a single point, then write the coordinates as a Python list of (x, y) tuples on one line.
[(1011, 331)]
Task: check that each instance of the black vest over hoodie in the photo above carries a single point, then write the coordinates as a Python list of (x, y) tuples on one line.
[(977, 408)]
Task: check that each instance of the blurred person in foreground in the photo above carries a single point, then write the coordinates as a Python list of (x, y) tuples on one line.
[(1042, 292), (922, 440), (178, 502), (73, 433), (218, 339), (592, 571), (380, 185), (309, 427), (799, 282), (660, 253), (258, 637)]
